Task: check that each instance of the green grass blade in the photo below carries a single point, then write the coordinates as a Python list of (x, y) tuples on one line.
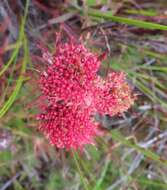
[(152, 183), (142, 12), (103, 174), (134, 22), (13, 96), (118, 137), (14, 55), (19, 43), (75, 156)]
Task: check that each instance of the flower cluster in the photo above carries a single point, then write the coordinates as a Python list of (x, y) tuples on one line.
[(72, 93)]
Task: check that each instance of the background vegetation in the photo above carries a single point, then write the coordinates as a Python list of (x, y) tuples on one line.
[(132, 155)]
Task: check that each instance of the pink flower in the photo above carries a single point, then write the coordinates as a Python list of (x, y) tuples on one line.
[(74, 93), (113, 94), (71, 73), (67, 126)]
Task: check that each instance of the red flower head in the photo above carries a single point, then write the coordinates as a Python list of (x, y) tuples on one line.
[(68, 126), (113, 94), (74, 93)]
